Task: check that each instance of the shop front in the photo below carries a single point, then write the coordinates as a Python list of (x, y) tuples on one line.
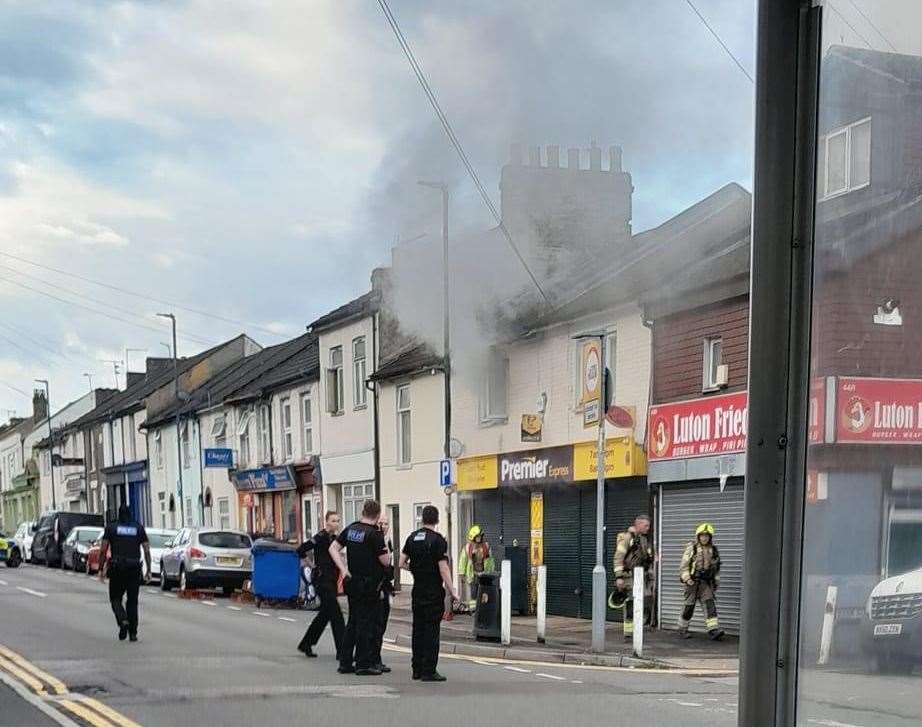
[(128, 485), (543, 501), (271, 500), (697, 460)]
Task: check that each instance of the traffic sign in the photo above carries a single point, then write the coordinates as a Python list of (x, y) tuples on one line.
[(445, 473)]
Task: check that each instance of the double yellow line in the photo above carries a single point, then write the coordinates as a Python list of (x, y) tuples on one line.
[(55, 694)]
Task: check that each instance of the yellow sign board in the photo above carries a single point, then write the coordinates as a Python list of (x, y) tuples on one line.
[(537, 528), (623, 458), (477, 473), (591, 378)]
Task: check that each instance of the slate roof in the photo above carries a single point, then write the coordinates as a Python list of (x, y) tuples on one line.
[(418, 357), (364, 305)]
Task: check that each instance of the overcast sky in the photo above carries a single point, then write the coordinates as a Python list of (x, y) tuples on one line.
[(257, 159)]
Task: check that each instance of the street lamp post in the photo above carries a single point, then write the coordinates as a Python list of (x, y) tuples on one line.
[(182, 501), (44, 382)]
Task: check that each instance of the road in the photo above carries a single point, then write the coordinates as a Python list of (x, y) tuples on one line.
[(231, 664)]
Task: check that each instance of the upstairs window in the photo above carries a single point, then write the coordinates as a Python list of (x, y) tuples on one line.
[(713, 358), (359, 392), (265, 440), (493, 396), (287, 444), (243, 435), (404, 448), (335, 394), (186, 446), (158, 449), (845, 159), (219, 431), (307, 434)]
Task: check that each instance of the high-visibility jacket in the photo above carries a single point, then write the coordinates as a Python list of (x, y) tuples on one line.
[(632, 550), (473, 553), (700, 562)]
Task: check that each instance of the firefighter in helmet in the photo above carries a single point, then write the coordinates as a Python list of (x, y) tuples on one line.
[(700, 573), (476, 558), (633, 548)]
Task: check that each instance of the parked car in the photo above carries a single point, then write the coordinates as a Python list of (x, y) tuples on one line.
[(51, 532), (77, 545), (10, 552), (895, 623), (207, 558), (92, 558), (159, 544), (23, 536)]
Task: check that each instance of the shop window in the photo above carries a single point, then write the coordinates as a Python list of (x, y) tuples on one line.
[(224, 521), (713, 358), (307, 433), (493, 398), (354, 497), (335, 383), (845, 159), (287, 443), (404, 440), (359, 392)]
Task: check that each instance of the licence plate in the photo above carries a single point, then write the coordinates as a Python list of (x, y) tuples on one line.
[(888, 629), (235, 562)]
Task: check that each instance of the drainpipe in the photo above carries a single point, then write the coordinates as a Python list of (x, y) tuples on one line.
[(374, 391), (201, 472)]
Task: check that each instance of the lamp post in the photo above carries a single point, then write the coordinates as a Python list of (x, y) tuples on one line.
[(54, 499), (182, 501), (89, 378)]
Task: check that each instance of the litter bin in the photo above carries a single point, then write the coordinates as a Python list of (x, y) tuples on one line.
[(487, 609), (276, 571)]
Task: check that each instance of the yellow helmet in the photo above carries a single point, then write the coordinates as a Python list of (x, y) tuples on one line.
[(705, 528), (474, 532)]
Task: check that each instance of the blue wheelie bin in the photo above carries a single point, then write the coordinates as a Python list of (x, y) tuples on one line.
[(276, 571)]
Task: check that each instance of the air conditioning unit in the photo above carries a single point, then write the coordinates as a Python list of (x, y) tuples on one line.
[(722, 379)]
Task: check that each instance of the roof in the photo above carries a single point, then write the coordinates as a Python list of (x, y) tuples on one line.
[(419, 357), (361, 307), (249, 377)]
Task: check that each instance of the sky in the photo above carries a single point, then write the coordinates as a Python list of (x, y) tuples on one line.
[(256, 160)]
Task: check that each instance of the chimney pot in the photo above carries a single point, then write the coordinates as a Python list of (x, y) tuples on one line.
[(553, 156), (515, 154), (534, 156), (614, 154), (595, 158), (573, 159)]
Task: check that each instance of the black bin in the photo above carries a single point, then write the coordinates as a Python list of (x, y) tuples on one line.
[(487, 612)]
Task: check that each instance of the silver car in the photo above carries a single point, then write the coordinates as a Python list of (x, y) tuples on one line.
[(206, 558)]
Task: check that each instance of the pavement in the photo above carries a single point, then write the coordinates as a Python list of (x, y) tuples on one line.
[(217, 661)]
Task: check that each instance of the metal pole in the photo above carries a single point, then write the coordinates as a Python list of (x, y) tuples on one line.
[(505, 601), (182, 501), (598, 572), (542, 602), (639, 584), (44, 382)]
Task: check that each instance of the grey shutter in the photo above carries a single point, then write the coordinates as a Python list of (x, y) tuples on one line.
[(682, 508), (563, 551), (625, 499)]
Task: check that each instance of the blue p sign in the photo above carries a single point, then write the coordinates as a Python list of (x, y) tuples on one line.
[(445, 473)]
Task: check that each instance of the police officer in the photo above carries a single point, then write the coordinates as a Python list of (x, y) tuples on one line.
[(323, 578), (426, 553), (633, 549), (363, 570), (384, 598), (126, 538), (700, 573)]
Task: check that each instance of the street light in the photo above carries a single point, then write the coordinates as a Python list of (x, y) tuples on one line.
[(182, 502), (598, 572), (89, 378), (44, 382), (169, 349)]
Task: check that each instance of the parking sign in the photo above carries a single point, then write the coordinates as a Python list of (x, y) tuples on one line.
[(445, 473)]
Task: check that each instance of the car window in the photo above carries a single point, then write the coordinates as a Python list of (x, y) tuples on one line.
[(88, 535), (71, 538), (159, 540), (224, 540)]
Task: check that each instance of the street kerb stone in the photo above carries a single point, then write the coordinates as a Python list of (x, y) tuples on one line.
[(551, 657)]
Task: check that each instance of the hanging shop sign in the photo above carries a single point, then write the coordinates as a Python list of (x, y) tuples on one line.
[(878, 411), (590, 366), (699, 428), (269, 478), (536, 466), (531, 427), (219, 457)]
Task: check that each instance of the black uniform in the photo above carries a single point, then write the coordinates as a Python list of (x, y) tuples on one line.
[(125, 540), (324, 577), (384, 608), (425, 549), (364, 544)]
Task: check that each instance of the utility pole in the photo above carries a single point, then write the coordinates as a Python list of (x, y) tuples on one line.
[(169, 349), (182, 501), (54, 499), (115, 371)]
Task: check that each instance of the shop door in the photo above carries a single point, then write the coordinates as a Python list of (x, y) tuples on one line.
[(682, 509)]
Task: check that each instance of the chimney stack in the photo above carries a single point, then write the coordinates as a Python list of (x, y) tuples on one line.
[(553, 156), (614, 155), (39, 406), (595, 158), (534, 156), (515, 155), (573, 160)]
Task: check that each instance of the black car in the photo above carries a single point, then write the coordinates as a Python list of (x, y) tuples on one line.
[(52, 530)]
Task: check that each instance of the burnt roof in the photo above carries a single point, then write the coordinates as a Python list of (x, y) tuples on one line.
[(361, 307), (418, 357)]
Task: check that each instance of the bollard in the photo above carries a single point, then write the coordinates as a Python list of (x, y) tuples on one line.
[(505, 602), (638, 611), (542, 602), (829, 622)]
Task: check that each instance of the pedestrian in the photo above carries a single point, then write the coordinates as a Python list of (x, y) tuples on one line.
[(426, 554), (384, 599), (125, 538), (476, 558), (363, 577), (324, 578), (700, 572), (633, 548)]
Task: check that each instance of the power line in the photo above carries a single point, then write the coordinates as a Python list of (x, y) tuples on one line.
[(719, 40), (871, 23), (455, 142), (16, 389), (854, 29), (144, 296), (39, 342)]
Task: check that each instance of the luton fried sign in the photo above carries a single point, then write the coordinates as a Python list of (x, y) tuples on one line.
[(698, 428)]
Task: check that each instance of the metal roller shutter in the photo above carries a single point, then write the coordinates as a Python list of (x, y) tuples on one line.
[(487, 516), (505, 515), (682, 508), (563, 552), (624, 500)]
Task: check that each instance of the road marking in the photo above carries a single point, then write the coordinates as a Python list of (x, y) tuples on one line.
[(4, 583), (55, 683), (36, 701), (260, 613), (234, 608), (832, 723), (208, 603), (34, 684), (690, 704), (551, 676), (168, 595), (107, 711), (31, 592), (289, 620), (84, 713), (517, 669), (576, 681)]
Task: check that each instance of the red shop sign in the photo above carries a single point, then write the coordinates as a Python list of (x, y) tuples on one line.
[(699, 428), (878, 411)]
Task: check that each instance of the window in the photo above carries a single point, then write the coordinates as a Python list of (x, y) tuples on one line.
[(186, 447), (418, 514), (354, 497), (359, 392), (845, 159), (307, 438), (404, 451), (219, 431), (243, 433), (265, 440), (161, 498), (713, 348), (132, 439), (158, 449), (190, 520), (493, 394), (225, 540), (287, 444), (224, 513), (335, 397)]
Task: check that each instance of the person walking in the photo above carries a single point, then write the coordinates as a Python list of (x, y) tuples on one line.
[(363, 569), (476, 558), (426, 554), (324, 578), (700, 572), (633, 548), (126, 538), (384, 599)]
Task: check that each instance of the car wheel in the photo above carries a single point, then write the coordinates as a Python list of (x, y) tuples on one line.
[(183, 580), (15, 560), (164, 581)]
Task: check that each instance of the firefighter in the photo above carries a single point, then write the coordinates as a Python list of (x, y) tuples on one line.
[(633, 549), (476, 558), (700, 573)]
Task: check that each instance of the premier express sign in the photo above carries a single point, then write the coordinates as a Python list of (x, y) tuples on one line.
[(698, 428), (536, 467)]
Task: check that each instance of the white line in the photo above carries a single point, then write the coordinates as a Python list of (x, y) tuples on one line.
[(31, 592), (551, 676), (517, 669), (690, 704), (260, 613), (576, 681), (233, 608), (389, 640), (832, 723), (4, 583), (289, 620), (35, 701), (208, 603), (168, 595)]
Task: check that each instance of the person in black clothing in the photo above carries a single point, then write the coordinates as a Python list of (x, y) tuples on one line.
[(384, 600), (126, 538), (363, 578), (324, 579), (426, 553)]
